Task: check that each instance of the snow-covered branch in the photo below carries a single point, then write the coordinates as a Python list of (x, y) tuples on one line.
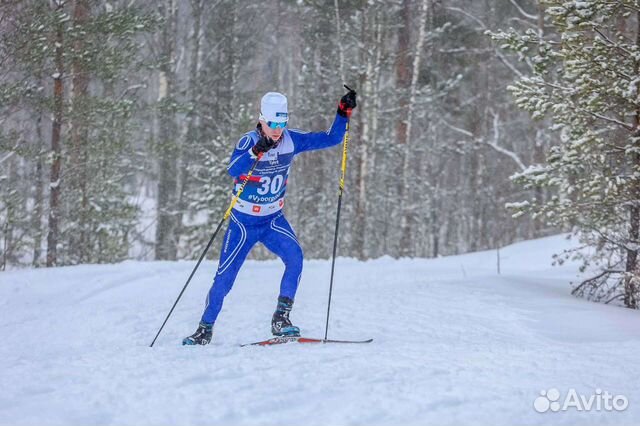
[(609, 119), (498, 53), (612, 43), (457, 129), (494, 143), (508, 64), (522, 11), (468, 15), (6, 157)]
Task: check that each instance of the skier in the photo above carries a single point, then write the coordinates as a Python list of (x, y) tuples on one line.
[(257, 216)]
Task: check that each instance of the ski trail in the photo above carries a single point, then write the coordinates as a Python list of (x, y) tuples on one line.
[(447, 349)]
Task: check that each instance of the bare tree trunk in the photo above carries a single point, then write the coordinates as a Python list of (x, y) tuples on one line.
[(631, 279), (36, 221), (539, 147), (339, 42), (56, 148), (78, 142), (6, 246), (403, 82), (435, 229), (368, 146), (193, 94), (166, 244), (407, 221), (367, 124), (8, 230), (234, 57)]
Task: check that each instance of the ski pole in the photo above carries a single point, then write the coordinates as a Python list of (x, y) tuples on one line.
[(345, 145), (204, 253)]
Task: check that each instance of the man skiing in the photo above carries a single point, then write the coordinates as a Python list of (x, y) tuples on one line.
[(257, 216)]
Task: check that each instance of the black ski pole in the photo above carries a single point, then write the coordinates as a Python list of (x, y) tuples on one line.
[(345, 145), (204, 253)]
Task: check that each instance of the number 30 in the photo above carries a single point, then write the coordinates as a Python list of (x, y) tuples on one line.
[(269, 185)]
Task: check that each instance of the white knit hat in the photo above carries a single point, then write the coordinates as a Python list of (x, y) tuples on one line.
[(273, 107)]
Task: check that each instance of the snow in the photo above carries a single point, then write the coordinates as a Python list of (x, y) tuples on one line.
[(141, 245), (455, 343)]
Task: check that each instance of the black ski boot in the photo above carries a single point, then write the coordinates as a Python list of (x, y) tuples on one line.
[(202, 336), (280, 323)]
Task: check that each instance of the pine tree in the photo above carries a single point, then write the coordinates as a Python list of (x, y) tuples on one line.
[(69, 60), (587, 83)]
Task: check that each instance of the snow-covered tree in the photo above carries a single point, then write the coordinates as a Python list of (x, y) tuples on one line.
[(587, 82), (66, 77)]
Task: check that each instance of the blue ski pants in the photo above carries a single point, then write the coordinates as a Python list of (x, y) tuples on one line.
[(243, 233)]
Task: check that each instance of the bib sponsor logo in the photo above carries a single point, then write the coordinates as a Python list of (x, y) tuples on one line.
[(259, 209), (272, 157)]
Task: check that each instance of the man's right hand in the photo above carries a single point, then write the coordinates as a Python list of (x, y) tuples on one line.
[(263, 145)]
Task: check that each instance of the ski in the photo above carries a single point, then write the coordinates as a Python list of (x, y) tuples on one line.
[(279, 340)]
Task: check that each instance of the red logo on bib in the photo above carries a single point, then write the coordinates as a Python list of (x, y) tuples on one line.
[(281, 202), (256, 209)]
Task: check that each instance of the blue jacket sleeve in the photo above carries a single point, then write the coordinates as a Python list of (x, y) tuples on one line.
[(308, 141), (242, 157)]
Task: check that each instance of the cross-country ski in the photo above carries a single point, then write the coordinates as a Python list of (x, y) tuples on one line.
[(299, 339)]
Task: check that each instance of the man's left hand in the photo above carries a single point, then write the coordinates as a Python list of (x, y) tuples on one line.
[(347, 104)]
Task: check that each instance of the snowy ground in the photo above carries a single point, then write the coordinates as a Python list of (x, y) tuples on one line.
[(455, 343)]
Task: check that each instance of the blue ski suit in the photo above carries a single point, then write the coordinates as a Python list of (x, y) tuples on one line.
[(258, 216)]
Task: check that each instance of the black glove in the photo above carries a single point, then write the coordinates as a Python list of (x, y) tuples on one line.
[(264, 144), (347, 103)]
